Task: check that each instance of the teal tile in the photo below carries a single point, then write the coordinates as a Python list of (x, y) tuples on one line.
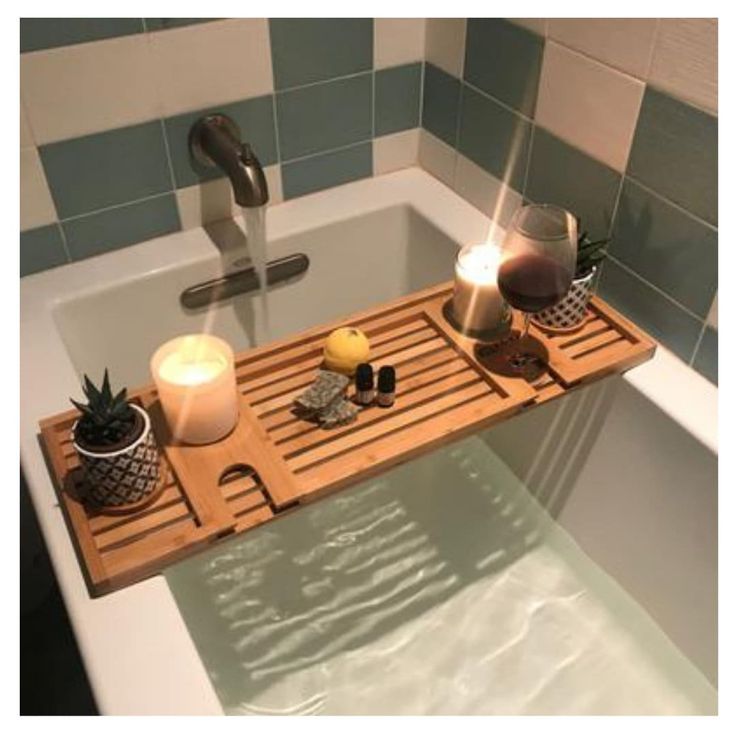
[(706, 359), (40, 249), (504, 60), (397, 98), (670, 249), (561, 174), (47, 33), (493, 137), (675, 152), (255, 119), (115, 228), (163, 24), (327, 170), (105, 169), (324, 116), (306, 50), (441, 104), (654, 313)]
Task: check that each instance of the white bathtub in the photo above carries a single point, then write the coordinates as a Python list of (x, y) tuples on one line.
[(628, 468)]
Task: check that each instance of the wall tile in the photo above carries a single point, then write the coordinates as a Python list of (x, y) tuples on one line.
[(40, 249), (46, 33), (504, 60), (398, 92), (441, 104), (309, 50), (106, 169), (26, 135), (327, 170), (667, 247), (164, 24), (706, 359), (78, 90), (675, 152), (396, 151), (437, 158), (210, 64), (685, 61), (324, 116), (589, 105), (713, 313), (494, 137), (536, 25), (489, 194), (36, 207), (562, 175), (445, 44), (625, 43), (656, 314), (398, 41), (115, 228), (255, 120)]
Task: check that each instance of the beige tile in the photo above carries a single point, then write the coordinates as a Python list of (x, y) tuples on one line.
[(445, 44), (26, 136), (713, 313), (685, 61), (625, 43), (437, 157), (213, 63), (36, 205), (213, 201), (591, 106), (398, 41), (396, 151), (88, 87), (536, 25), (490, 195)]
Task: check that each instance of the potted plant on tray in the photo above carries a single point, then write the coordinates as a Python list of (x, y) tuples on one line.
[(116, 446), (569, 313)]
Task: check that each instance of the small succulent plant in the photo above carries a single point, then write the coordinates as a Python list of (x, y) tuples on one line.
[(590, 253), (106, 419)]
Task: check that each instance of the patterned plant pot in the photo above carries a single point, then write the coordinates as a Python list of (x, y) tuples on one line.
[(570, 312), (123, 475)]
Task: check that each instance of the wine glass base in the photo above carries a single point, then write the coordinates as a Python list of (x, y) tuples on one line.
[(514, 356)]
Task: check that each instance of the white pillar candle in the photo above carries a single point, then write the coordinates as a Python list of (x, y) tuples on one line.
[(195, 379), (477, 304)]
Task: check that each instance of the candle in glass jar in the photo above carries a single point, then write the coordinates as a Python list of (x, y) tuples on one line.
[(195, 379), (477, 304)]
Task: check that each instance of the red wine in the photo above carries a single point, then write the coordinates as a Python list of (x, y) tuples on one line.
[(533, 282)]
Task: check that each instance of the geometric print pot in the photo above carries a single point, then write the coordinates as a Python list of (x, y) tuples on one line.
[(570, 312), (126, 475)]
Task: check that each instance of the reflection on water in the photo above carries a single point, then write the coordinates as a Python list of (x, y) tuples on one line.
[(440, 587)]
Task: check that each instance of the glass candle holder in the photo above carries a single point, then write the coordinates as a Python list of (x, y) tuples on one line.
[(195, 379), (477, 308)]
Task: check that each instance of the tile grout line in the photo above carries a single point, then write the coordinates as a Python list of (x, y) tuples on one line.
[(528, 166), (169, 162), (117, 206), (277, 135), (506, 107), (328, 150), (64, 243), (325, 81), (698, 342)]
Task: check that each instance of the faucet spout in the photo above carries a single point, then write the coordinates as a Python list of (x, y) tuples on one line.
[(215, 142)]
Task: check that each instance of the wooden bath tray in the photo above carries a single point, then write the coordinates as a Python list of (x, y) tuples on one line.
[(277, 461)]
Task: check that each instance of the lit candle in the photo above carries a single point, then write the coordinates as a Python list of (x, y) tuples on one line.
[(477, 304), (195, 379)]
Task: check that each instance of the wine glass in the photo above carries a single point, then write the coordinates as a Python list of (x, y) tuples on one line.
[(537, 266)]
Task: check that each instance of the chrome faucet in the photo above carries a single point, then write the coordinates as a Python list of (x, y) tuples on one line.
[(214, 141)]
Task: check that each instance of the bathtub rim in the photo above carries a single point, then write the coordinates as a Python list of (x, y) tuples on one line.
[(127, 679)]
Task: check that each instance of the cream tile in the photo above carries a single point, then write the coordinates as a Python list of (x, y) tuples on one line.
[(625, 43), (397, 151), (536, 25), (713, 313), (212, 63), (437, 157), (398, 41), (685, 61), (591, 106), (88, 88), (213, 201), (445, 44), (490, 195), (36, 205), (26, 136)]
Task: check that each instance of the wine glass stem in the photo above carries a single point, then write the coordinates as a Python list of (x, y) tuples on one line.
[(525, 329)]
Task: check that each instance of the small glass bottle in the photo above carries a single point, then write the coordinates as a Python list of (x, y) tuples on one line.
[(386, 386), (364, 385)]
